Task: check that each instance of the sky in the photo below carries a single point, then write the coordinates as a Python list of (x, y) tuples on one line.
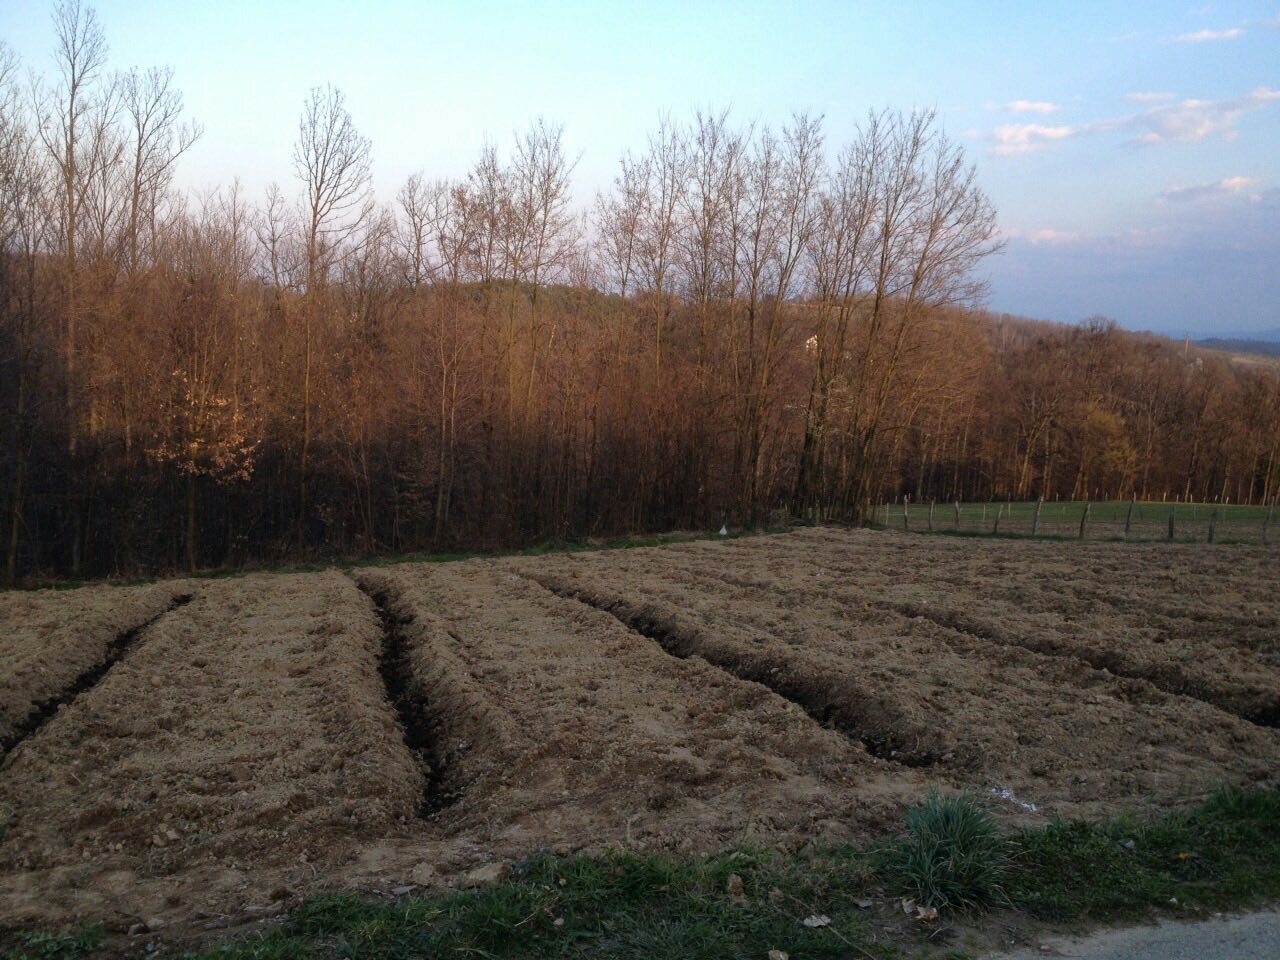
[(1132, 150)]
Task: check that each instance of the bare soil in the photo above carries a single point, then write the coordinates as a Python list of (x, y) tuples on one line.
[(52, 638), (282, 735), (1058, 732), (244, 736), (1193, 619)]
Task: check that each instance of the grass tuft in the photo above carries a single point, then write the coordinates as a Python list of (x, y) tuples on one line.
[(953, 854)]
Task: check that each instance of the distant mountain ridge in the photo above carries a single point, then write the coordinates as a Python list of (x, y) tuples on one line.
[(1259, 344), (1271, 335)]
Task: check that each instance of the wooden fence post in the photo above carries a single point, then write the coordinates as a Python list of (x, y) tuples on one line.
[(1128, 517), (957, 525), (1084, 519), (1172, 512), (905, 519), (1035, 521), (932, 504)]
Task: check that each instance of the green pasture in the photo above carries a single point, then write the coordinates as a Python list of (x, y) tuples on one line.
[(1106, 520)]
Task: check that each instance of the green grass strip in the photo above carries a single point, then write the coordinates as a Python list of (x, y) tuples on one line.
[(1222, 854)]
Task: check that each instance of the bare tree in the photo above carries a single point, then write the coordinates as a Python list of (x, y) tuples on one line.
[(333, 161), (666, 171), (157, 139), (80, 56), (275, 231), (923, 225), (421, 204), (28, 228), (486, 191), (542, 230)]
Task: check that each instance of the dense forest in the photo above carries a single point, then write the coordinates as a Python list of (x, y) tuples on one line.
[(751, 323)]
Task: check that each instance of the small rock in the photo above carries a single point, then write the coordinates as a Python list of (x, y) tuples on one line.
[(864, 904), (488, 874), (157, 681), (423, 874), (1130, 845), (817, 920), (779, 955), (137, 929), (558, 922), (400, 891), (172, 835)]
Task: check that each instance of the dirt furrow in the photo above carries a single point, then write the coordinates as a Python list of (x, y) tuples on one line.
[(249, 728), (856, 713), (1257, 706), (45, 710), (52, 641), (582, 727), (1226, 655), (422, 728), (1054, 729)]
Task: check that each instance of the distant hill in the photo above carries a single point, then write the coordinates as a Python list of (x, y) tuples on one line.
[(1260, 348)]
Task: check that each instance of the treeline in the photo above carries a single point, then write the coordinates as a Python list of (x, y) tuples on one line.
[(749, 323)]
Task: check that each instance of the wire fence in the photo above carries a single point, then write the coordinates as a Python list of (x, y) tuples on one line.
[(1182, 522)]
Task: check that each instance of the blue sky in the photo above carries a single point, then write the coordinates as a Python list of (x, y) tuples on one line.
[(1133, 150)]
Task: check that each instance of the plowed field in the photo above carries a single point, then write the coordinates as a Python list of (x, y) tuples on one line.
[(198, 752)]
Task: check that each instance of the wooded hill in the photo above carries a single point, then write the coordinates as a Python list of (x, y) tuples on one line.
[(749, 324)]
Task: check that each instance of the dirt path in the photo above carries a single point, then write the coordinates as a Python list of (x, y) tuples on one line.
[(1254, 936)]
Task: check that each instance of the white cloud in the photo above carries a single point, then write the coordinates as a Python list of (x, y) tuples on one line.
[(1031, 106), (1148, 97), (1230, 187), (1016, 139), (1042, 237), (1210, 36), (1191, 121)]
